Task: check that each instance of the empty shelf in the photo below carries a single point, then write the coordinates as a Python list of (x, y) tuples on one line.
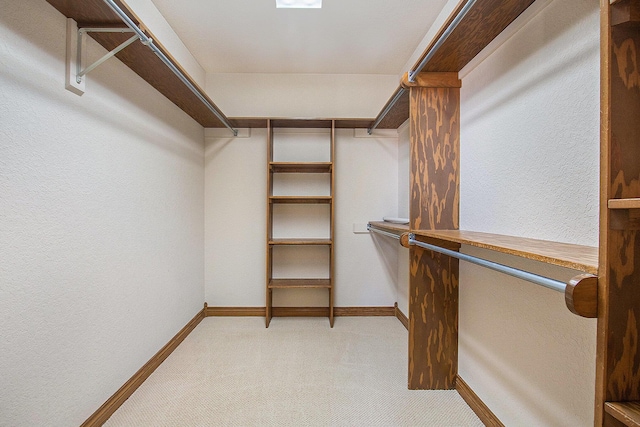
[(291, 167), (624, 203), (299, 283), (390, 227), (627, 413), (577, 257), (301, 199), (300, 242)]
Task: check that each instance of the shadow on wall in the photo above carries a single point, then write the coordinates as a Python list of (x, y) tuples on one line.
[(388, 253), (525, 78)]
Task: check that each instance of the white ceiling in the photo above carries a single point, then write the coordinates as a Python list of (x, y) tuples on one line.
[(344, 37)]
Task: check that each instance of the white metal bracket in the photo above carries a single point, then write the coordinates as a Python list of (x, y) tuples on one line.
[(75, 54)]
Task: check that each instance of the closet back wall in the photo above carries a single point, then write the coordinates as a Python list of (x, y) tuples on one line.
[(101, 224), (235, 228)]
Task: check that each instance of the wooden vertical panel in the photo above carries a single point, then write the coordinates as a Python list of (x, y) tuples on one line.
[(623, 360), (269, 252), (433, 294), (603, 266), (435, 146), (618, 357), (433, 320), (332, 222)]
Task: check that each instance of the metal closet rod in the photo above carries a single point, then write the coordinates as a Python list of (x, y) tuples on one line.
[(385, 233), (149, 42), (547, 282), (432, 51)]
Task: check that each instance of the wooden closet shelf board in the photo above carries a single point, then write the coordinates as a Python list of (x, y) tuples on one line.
[(390, 227), (577, 257), (301, 242), (291, 167), (484, 22), (627, 413), (299, 283), (261, 122), (138, 57), (624, 203), (301, 199)]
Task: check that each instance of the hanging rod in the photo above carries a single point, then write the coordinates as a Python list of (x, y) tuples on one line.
[(432, 51), (443, 37), (385, 233), (556, 285), (396, 96), (149, 42)]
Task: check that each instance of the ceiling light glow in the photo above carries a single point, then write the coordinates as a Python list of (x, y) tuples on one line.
[(299, 4)]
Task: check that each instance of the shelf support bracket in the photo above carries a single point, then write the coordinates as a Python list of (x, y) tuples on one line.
[(80, 73)]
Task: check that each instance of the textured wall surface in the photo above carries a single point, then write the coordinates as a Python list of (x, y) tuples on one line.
[(529, 167), (366, 189), (101, 224)]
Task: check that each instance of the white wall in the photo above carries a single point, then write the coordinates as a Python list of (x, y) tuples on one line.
[(101, 218), (301, 95), (529, 167), (366, 189)]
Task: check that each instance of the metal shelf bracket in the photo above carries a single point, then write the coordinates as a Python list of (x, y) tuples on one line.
[(80, 73)]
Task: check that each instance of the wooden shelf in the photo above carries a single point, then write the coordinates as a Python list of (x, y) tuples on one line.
[(145, 63), (627, 413), (577, 257), (624, 203), (300, 242), (484, 22), (299, 283), (304, 167), (300, 199), (390, 227)]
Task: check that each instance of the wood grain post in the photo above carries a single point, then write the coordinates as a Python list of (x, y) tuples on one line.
[(618, 352), (433, 290)]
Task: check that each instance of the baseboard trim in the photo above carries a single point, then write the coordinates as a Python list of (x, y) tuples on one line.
[(477, 405), (119, 397), (300, 311), (400, 316), (363, 311), (235, 311)]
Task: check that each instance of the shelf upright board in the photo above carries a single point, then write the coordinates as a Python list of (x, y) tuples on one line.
[(618, 351), (298, 164), (434, 205)]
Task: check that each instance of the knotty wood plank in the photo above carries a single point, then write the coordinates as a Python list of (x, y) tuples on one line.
[(433, 294), (618, 343), (577, 257), (626, 412)]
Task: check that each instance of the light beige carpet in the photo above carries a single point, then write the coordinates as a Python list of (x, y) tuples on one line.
[(299, 372)]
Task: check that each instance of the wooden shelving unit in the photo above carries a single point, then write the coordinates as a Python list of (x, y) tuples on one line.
[(618, 357), (274, 168)]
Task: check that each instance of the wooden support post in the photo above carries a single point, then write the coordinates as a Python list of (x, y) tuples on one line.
[(433, 293)]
